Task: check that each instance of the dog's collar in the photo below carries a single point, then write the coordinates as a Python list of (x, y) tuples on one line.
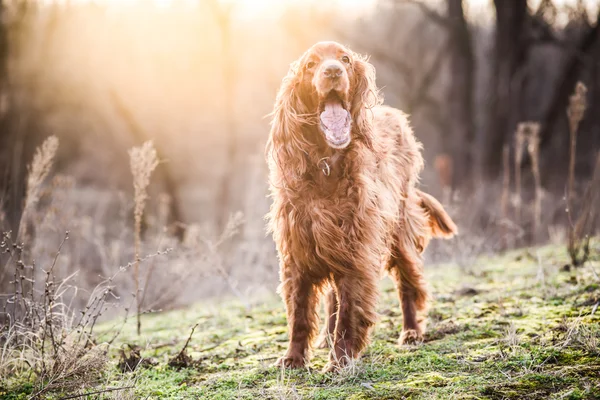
[(327, 163)]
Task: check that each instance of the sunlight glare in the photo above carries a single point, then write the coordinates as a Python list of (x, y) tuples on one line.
[(273, 8), (246, 8)]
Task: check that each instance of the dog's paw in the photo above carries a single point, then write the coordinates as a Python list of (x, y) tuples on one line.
[(410, 337), (330, 367), (290, 361)]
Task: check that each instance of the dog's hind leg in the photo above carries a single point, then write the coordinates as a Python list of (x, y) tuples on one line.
[(301, 296), (407, 272), (327, 335), (357, 300)]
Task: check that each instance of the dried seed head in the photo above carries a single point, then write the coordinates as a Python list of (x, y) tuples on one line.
[(520, 139), (577, 105), (39, 169), (143, 161), (531, 136)]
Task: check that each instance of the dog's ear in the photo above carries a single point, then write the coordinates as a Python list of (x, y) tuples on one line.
[(365, 96), (288, 116)]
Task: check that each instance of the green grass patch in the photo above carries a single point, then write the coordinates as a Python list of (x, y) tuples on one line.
[(519, 327)]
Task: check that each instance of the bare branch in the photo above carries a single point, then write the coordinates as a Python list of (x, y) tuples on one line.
[(430, 13), (428, 78)]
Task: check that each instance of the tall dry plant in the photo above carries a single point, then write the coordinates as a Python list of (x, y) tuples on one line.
[(519, 144), (444, 167), (48, 342), (577, 105), (587, 222), (529, 136), (505, 181), (575, 112), (38, 171), (505, 198), (143, 161), (531, 131)]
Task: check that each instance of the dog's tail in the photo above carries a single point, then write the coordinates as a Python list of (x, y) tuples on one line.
[(440, 222)]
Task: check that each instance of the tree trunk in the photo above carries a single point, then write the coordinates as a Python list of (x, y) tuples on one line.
[(224, 200), (224, 196), (511, 45), (459, 141), (12, 147), (554, 139)]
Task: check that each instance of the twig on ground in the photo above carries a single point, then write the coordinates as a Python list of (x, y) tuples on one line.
[(75, 396), (183, 360)]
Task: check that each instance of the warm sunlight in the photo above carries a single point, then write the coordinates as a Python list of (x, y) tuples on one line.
[(272, 9), (191, 191), (245, 8)]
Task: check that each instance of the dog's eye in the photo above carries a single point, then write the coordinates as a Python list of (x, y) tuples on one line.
[(346, 59), (310, 64)]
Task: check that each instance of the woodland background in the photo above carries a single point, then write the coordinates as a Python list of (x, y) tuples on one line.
[(199, 77)]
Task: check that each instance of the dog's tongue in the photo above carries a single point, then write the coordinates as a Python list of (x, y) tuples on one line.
[(335, 119)]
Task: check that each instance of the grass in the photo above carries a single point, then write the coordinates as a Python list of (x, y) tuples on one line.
[(520, 327)]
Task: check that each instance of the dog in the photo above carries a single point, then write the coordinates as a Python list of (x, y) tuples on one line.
[(343, 175)]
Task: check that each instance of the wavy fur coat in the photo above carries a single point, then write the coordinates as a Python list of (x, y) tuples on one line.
[(344, 212)]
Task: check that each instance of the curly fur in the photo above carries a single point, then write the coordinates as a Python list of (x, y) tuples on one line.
[(339, 232)]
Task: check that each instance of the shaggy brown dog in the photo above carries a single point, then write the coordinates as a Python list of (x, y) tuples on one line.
[(343, 175)]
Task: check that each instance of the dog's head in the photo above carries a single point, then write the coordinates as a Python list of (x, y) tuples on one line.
[(330, 88)]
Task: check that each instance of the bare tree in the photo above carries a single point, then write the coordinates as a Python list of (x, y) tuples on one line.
[(510, 51), (583, 55), (459, 140), (223, 15), (17, 140)]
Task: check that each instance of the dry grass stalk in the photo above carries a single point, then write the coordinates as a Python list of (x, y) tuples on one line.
[(47, 337), (580, 234), (532, 137), (50, 341), (38, 171), (505, 181), (519, 143), (577, 246), (231, 229), (143, 161), (443, 165), (505, 198), (512, 339), (182, 359), (533, 147), (575, 112)]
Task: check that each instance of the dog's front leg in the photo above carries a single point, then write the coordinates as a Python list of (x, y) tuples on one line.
[(301, 301), (357, 299)]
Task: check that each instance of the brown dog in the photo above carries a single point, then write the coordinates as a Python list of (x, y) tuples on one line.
[(343, 176)]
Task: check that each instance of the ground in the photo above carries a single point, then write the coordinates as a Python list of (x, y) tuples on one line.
[(521, 325)]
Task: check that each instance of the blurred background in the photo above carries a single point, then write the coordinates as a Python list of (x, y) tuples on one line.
[(199, 77)]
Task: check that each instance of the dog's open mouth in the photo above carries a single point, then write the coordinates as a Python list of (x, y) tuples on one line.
[(335, 121)]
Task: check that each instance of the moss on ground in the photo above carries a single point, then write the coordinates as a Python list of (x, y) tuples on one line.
[(519, 327)]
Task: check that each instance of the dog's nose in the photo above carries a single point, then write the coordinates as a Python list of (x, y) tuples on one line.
[(333, 71)]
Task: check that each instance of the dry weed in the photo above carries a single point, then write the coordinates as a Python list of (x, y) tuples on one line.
[(578, 238), (519, 144), (575, 112), (38, 171), (143, 161)]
